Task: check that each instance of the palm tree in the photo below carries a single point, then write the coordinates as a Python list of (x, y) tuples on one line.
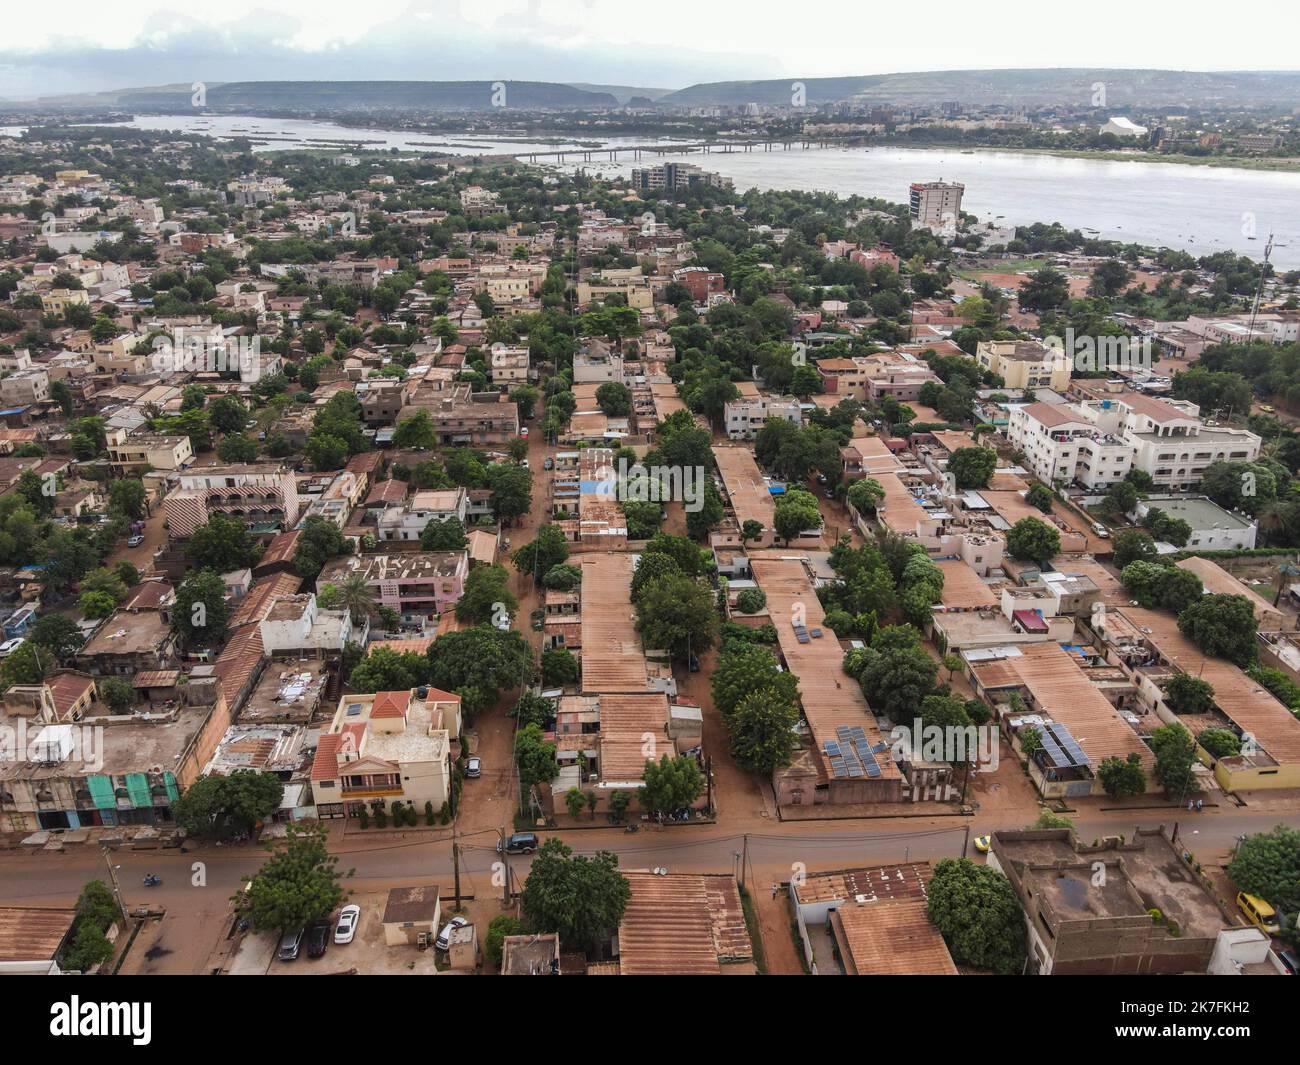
[(356, 595), (1274, 518)]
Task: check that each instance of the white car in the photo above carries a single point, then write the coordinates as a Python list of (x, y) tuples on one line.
[(346, 929), (444, 938)]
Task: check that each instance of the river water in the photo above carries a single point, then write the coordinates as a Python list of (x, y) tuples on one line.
[(1201, 209)]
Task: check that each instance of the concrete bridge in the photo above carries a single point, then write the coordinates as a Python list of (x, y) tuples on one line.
[(637, 151)]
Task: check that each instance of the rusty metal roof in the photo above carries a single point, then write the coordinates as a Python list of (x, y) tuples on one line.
[(892, 938), (28, 933), (682, 924), (612, 658)]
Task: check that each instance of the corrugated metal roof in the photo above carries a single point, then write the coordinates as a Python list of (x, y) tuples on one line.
[(612, 657), (32, 934), (890, 939), (682, 924)]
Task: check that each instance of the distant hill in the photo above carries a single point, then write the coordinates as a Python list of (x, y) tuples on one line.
[(1016, 88), (623, 93)]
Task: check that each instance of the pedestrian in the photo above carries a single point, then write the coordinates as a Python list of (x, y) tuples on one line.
[(1190, 806), (1200, 804), (774, 887)]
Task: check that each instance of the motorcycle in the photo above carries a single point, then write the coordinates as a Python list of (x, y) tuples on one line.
[(152, 881), (631, 828)]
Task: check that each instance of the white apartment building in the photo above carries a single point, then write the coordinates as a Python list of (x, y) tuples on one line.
[(1097, 443), (935, 203), (745, 417), (407, 522)]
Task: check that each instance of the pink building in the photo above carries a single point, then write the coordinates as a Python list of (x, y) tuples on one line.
[(417, 584)]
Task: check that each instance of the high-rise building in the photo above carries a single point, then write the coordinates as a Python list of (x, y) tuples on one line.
[(936, 203)]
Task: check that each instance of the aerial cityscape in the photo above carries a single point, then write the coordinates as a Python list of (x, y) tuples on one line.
[(489, 518)]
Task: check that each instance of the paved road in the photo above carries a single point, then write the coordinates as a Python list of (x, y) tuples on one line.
[(773, 849)]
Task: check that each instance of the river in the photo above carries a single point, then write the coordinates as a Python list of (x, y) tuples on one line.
[(1201, 209)]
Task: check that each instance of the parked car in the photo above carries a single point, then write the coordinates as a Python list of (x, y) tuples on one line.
[(519, 843), (1290, 961), (318, 939), (290, 945), (474, 767), (134, 541), (1101, 530), (694, 664), (10, 646), (345, 931), (1258, 912), (982, 843), (524, 432), (444, 937), (548, 464)]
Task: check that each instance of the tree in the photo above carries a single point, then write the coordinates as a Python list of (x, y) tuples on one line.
[(227, 414), (480, 663), (117, 694), (976, 911), (676, 613), (1219, 742), (416, 432), (1222, 625), (562, 578), (1133, 545), (219, 807), (297, 885), (26, 664), (575, 800), (581, 898), (1032, 540), (534, 756), (710, 512), (1186, 694), (895, 672), (559, 666), (502, 925), (532, 709), (762, 730), (201, 612), (512, 490), (319, 541), (1175, 752), (386, 670), (445, 535), (547, 550), (356, 595), (682, 551), (486, 597), (751, 601), (1040, 496), (745, 669), (220, 544), (127, 496), (237, 448), (614, 399), (1267, 864), (973, 466), (752, 529), (325, 451), (1122, 776), (671, 784), (96, 605), (795, 513), (864, 496), (58, 633)]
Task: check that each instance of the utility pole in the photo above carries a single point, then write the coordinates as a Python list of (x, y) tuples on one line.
[(743, 859), (117, 888), (455, 864), (505, 858), (966, 840)]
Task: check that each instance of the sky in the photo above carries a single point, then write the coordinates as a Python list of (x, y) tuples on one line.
[(95, 45)]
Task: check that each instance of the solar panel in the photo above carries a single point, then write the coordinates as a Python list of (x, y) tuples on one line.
[(832, 747), (1068, 744), (815, 633), (872, 768), (803, 637), (1054, 752)]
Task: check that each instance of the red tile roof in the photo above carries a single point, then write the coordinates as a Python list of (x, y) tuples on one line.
[(390, 704)]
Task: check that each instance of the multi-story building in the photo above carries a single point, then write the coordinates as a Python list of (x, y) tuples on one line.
[(935, 203), (508, 366), (386, 749), (419, 585), (127, 453), (25, 388), (264, 496), (1097, 443), (1025, 364), (468, 421), (745, 416), (407, 521), (700, 282), (677, 176)]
